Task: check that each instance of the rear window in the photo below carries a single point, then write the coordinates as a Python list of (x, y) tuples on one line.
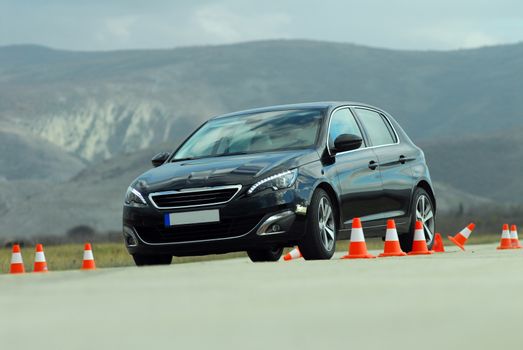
[(379, 130)]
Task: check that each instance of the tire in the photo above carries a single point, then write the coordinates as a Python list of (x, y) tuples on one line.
[(406, 238), (321, 231), (149, 260), (265, 255)]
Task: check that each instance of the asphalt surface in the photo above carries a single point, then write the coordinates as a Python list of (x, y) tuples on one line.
[(455, 300)]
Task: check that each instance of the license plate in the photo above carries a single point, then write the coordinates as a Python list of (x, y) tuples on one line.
[(192, 217)]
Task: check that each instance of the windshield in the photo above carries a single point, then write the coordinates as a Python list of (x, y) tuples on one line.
[(253, 133)]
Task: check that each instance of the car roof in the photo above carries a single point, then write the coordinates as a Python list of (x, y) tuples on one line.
[(309, 105)]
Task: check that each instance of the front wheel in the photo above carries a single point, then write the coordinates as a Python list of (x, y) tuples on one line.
[(264, 255), (146, 260), (319, 242), (422, 210)]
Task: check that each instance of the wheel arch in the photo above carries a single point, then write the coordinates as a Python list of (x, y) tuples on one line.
[(327, 187)]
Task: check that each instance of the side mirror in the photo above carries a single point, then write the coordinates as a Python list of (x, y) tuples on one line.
[(160, 158), (347, 142)]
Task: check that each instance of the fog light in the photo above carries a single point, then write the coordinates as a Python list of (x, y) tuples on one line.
[(276, 224), (275, 228), (130, 241), (129, 237)]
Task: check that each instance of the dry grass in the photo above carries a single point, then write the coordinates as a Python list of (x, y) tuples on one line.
[(69, 256)]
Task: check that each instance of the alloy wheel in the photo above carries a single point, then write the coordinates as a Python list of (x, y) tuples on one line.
[(326, 223), (425, 214)]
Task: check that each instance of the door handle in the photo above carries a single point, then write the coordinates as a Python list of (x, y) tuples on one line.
[(373, 165), (402, 159)]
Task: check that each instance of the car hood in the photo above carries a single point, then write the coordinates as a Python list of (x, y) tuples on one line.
[(220, 171)]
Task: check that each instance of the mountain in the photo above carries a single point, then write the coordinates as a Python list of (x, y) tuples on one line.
[(29, 157), (488, 165), (98, 104), (94, 197), (77, 127)]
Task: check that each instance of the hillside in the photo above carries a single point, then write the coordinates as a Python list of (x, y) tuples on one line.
[(98, 104), (488, 165)]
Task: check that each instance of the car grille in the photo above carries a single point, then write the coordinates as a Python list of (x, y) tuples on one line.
[(184, 199), (227, 228)]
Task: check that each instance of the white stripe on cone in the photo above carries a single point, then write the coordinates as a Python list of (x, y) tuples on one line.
[(419, 235), (39, 257), (295, 253), (513, 234), (88, 255), (505, 234), (16, 258), (391, 235), (465, 232), (356, 235)]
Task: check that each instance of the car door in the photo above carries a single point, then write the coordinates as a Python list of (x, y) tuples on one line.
[(357, 171), (396, 174)]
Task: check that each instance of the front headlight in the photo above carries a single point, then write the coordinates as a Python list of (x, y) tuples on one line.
[(276, 182), (133, 198)]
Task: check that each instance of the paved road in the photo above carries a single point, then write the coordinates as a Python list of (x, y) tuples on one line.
[(470, 300)]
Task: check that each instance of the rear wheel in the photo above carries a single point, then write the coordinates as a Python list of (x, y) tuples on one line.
[(263, 255), (145, 260), (319, 242), (422, 210)]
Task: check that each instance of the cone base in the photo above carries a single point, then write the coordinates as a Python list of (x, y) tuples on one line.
[(504, 248), (88, 266), (428, 252), (459, 245), (359, 256), (384, 255)]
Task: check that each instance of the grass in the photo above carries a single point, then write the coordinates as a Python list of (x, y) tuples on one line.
[(69, 256)]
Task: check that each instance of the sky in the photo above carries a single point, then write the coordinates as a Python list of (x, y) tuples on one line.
[(131, 24)]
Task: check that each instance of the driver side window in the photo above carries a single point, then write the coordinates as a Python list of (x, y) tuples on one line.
[(343, 122)]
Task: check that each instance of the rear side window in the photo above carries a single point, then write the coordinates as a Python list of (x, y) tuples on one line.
[(343, 122), (378, 129)]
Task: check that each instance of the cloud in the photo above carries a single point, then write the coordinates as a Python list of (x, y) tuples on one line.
[(220, 24), (123, 24)]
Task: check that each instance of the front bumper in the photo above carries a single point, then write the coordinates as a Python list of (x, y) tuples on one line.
[(262, 220)]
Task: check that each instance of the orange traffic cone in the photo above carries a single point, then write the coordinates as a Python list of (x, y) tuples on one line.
[(438, 244), (392, 244), (505, 242), (17, 264), (514, 237), (88, 263), (293, 254), (357, 245), (461, 238), (40, 264), (419, 245)]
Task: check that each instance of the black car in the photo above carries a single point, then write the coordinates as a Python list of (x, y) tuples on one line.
[(264, 179)]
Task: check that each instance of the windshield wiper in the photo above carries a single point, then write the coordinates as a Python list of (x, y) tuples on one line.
[(182, 159), (230, 154)]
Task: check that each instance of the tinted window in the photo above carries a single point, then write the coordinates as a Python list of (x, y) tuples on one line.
[(253, 133), (378, 129), (343, 122)]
